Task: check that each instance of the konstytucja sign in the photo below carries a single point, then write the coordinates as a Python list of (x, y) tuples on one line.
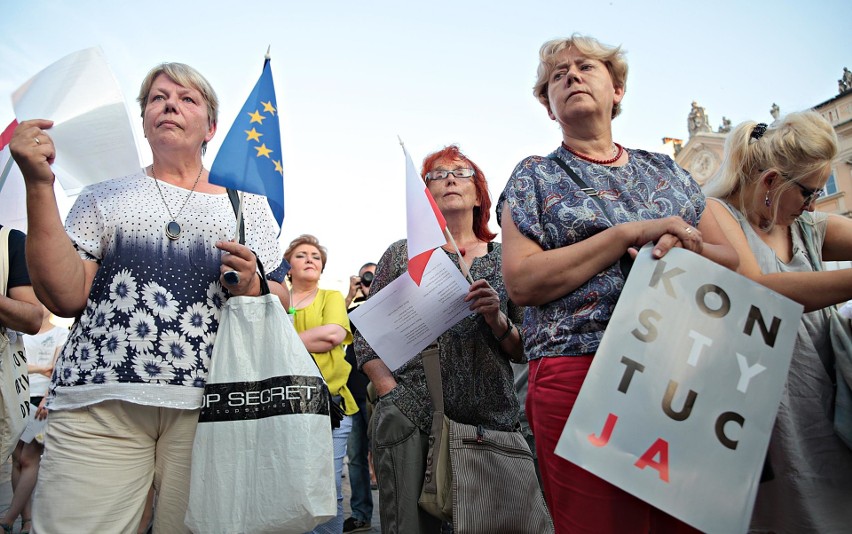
[(681, 397)]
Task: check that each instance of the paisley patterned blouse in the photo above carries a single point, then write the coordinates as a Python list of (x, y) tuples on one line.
[(549, 208), (476, 375)]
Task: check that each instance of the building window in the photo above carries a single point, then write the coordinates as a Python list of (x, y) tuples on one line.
[(830, 186)]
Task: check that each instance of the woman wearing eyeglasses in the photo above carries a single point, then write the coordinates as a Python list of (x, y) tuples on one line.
[(474, 354), (767, 190)]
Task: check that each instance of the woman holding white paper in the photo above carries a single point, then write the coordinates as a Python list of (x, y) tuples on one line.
[(567, 240), (474, 354), (767, 190), (140, 264)]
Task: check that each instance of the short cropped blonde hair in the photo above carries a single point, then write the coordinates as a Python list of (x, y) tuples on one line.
[(612, 57), (307, 239), (186, 76)]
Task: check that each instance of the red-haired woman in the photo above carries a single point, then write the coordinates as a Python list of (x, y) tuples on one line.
[(474, 354)]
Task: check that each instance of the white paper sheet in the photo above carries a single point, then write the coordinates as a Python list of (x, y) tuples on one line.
[(34, 426), (92, 130), (402, 319)]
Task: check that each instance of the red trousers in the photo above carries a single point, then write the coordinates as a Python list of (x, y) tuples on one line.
[(579, 501)]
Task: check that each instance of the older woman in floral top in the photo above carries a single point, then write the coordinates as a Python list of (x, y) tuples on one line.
[(140, 265)]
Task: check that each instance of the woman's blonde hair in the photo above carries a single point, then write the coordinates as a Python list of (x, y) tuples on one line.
[(796, 146), (612, 57), (306, 239)]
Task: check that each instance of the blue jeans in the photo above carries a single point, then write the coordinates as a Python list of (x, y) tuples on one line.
[(339, 437), (359, 470)]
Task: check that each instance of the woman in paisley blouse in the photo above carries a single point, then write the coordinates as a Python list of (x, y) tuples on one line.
[(140, 265), (474, 354), (561, 257)]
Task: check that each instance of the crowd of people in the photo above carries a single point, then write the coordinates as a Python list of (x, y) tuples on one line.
[(141, 264)]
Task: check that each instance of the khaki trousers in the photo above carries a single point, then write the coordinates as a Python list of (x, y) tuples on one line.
[(399, 458), (100, 461)]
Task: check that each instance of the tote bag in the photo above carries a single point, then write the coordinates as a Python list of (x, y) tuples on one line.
[(14, 380), (481, 480), (262, 458)]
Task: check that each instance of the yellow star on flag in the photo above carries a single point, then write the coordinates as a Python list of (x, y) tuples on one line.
[(267, 106), (256, 117), (278, 167), (253, 135), (262, 150)]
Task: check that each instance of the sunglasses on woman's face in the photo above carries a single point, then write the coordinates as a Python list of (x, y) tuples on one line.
[(809, 195)]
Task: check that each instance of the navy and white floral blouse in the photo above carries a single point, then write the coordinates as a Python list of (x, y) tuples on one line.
[(549, 208), (147, 332)]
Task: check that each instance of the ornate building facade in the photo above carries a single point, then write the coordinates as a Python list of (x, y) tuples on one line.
[(702, 154)]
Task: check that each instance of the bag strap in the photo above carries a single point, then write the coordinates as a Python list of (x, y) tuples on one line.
[(4, 270), (815, 259), (625, 262), (4, 258), (432, 366), (810, 247), (584, 187)]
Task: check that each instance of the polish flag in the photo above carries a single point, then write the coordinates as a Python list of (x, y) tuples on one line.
[(6, 136), (425, 222), (13, 195), (12, 198)]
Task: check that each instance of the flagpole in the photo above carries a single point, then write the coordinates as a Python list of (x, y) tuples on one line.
[(5, 173), (239, 216), (462, 264)]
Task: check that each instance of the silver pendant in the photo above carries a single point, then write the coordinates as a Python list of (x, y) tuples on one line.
[(173, 230)]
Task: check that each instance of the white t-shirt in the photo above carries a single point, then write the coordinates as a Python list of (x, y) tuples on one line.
[(40, 349)]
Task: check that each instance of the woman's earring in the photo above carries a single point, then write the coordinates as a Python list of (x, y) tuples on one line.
[(766, 200)]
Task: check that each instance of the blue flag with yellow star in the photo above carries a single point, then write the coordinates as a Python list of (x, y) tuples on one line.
[(250, 157)]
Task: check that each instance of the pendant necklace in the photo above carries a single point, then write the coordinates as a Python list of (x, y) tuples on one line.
[(292, 309), (173, 229)]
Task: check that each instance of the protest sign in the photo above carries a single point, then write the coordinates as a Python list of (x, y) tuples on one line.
[(681, 396)]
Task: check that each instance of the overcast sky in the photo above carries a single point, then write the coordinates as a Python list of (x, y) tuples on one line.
[(351, 76)]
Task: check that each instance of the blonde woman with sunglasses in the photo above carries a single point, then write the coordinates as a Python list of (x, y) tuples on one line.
[(766, 193)]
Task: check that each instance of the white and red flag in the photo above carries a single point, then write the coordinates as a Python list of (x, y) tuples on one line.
[(13, 193), (12, 199), (424, 221)]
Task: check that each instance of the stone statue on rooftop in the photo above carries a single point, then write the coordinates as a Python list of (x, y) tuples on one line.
[(697, 121), (775, 111)]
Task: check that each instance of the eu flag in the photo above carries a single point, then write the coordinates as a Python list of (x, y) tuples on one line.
[(250, 157)]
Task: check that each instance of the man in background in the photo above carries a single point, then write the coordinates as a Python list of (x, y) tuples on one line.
[(358, 446)]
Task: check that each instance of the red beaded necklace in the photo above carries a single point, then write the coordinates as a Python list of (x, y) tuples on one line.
[(617, 149)]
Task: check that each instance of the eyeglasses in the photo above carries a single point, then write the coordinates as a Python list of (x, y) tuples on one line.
[(808, 194), (442, 175)]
